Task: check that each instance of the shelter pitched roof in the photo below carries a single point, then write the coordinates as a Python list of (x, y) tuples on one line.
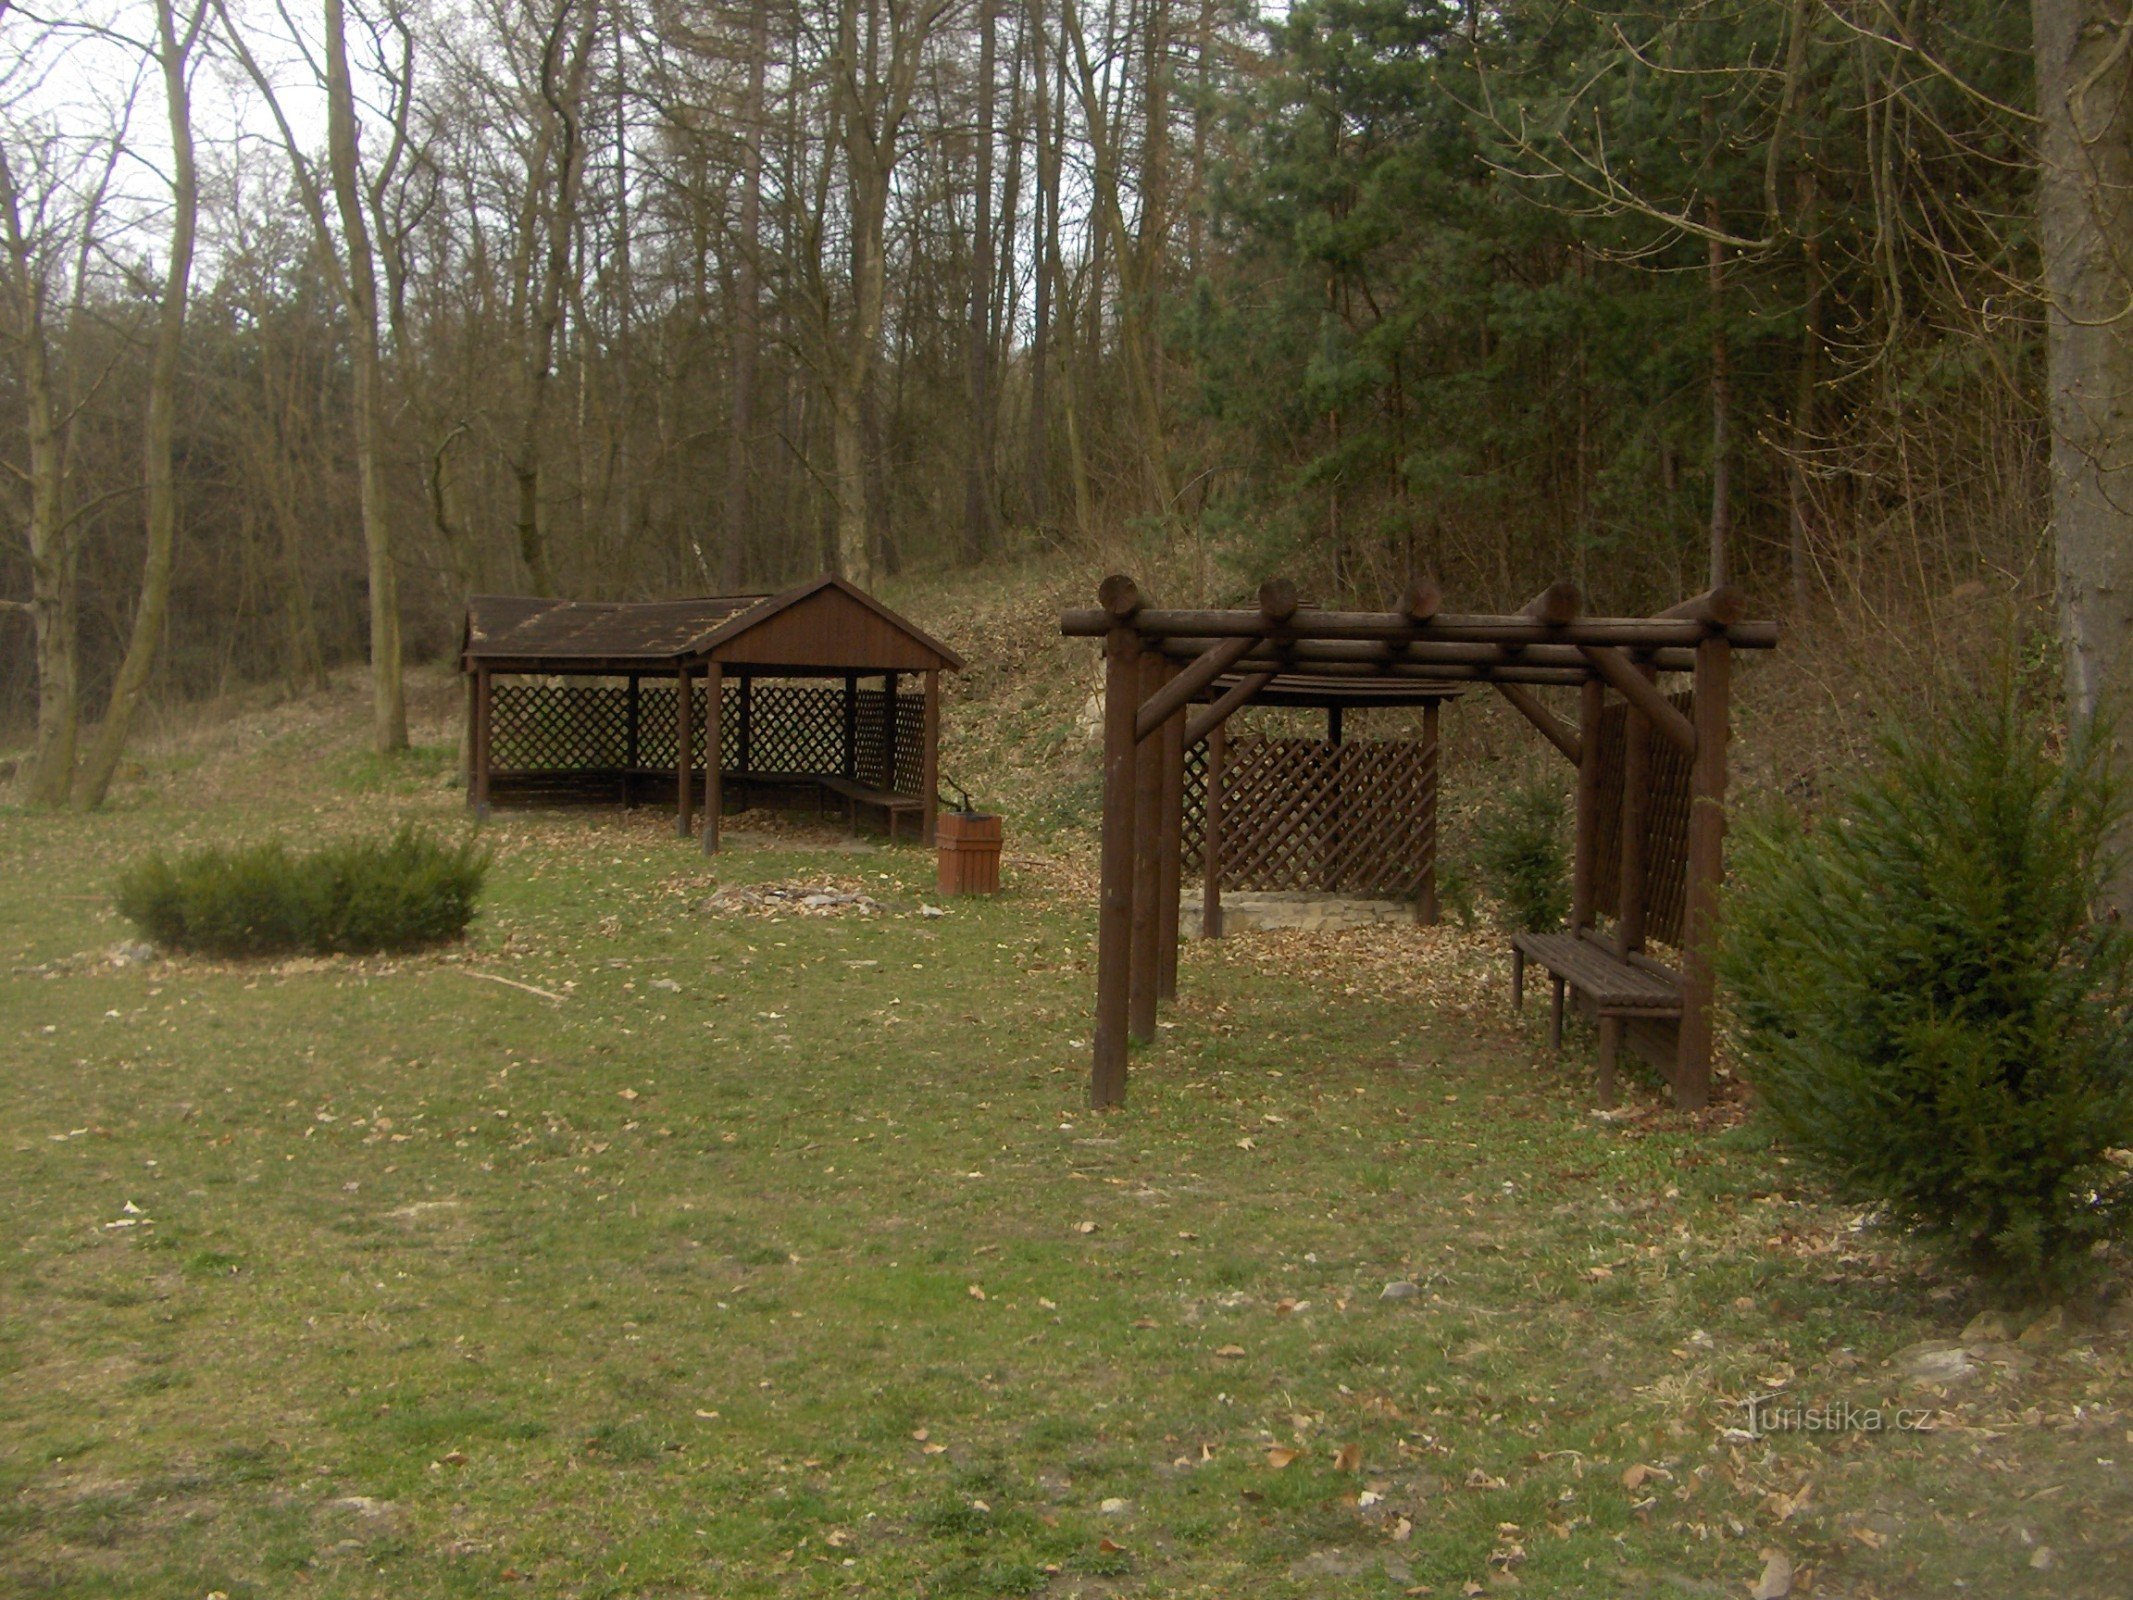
[(824, 626), (523, 627)]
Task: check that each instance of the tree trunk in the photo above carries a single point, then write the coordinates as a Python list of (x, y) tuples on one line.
[(977, 465), (54, 549), (747, 308), (565, 101), (2085, 218), (159, 425), (388, 699), (1721, 413)]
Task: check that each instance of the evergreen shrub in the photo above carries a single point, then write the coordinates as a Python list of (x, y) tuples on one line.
[(354, 897), (1931, 1005), (1523, 858)]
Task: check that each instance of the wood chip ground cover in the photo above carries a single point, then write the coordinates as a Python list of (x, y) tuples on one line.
[(733, 1256)]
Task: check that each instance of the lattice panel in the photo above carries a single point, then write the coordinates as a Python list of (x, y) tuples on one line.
[(792, 728), (655, 733), (869, 766), (1666, 817), (1354, 818), (910, 744), (538, 727)]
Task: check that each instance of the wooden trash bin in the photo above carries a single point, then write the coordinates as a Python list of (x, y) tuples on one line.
[(968, 847)]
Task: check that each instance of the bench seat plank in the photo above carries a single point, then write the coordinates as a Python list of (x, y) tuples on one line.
[(1610, 983), (887, 799)]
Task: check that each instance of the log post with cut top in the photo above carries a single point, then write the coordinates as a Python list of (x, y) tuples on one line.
[(1706, 865), (1114, 916)]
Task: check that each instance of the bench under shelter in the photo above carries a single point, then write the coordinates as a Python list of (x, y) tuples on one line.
[(573, 702), (1648, 741)]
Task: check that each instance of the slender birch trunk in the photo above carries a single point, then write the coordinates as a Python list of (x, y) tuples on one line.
[(159, 423)]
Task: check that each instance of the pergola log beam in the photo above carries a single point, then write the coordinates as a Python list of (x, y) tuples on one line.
[(1623, 675), (1413, 652), (1205, 721), (1551, 726), (1555, 606), (1634, 633), (1721, 607), (1188, 685)]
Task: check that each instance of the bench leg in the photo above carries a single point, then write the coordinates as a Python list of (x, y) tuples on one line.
[(1518, 978), (1610, 1047), (1555, 1016)]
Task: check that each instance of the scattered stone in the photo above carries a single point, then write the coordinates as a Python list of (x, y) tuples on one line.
[(365, 1506), (931, 911), (1115, 1507), (1776, 1581), (1347, 1564), (131, 954), (2046, 1328), (1936, 1361), (1988, 1327), (2042, 1558), (668, 984), (787, 899), (1400, 1289)]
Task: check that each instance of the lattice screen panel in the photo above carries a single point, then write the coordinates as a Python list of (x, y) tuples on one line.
[(538, 727), (1666, 817), (793, 728), (1354, 818)]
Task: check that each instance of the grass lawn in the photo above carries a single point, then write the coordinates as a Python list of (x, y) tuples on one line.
[(780, 1256)]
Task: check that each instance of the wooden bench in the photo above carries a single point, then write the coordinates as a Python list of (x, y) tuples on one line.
[(1616, 989), (888, 800)]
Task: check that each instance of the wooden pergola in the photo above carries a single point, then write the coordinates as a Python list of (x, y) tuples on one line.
[(1160, 665), (636, 700)]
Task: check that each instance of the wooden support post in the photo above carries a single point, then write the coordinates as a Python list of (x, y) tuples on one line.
[(714, 710), (685, 755), (1147, 824), (1706, 866), (929, 780), (1114, 916), (481, 738), (1636, 827), (851, 725), (1555, 1014), (1170, 854), (888, 730), (1426, 909), (1610, 1051), (1211, 836), (1585, 850), (1333, 724)]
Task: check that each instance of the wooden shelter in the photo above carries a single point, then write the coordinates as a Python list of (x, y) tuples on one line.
[(591, 700), (1651, 779)]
